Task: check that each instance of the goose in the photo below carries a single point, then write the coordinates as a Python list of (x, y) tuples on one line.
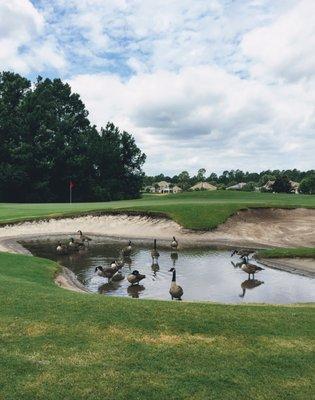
[(249, 284), (119, 276), (127, 250), (74, 245), (83, 238), (176, 291), (61, 248), (250, 269), (108, 272), (154, 252), (242, 253), (135, 277), (174, 243)]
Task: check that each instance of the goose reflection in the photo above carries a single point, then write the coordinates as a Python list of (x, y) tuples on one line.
[(135, 290), (155, 267), (128, 261), (249, 284), (174, 257), (108, 287), (237, 265), (154, 252)]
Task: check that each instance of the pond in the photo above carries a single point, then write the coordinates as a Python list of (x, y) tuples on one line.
[(205, 274)]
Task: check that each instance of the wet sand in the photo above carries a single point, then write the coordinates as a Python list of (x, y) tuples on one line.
[(254, 228)]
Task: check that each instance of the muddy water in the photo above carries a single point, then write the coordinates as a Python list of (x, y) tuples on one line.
[(204, 274)]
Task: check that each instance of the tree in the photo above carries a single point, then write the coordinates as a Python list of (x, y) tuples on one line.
[(282, 185), (201, 175), (47, 140), (307, 185), (183, 180)]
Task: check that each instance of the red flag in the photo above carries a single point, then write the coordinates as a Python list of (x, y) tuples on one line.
[(71, 185)]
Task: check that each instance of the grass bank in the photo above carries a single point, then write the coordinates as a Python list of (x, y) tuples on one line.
[(57, 344), (194, 210), (297, 252)]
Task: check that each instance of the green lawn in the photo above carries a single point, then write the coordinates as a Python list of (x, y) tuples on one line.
[(198, 210), (298, 252), (57, 344)]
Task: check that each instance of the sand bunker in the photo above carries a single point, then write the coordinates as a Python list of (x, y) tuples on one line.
[(251, 228)]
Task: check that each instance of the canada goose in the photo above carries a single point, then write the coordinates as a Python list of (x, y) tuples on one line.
[(83, 238), (250, 269), (242, 253), (135, 277), (75, 246), (127, 250), (249, 284), (119, 276), (174, 243), (61, 248), (154, 252), (176, 291), (108, 272)]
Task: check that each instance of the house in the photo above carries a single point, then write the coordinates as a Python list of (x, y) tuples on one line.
[(238, 186), (176, 189), (163, 187), (203, 186)]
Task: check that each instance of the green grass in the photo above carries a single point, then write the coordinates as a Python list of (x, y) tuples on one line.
[(298, 252), (196, 210), (57, 344)]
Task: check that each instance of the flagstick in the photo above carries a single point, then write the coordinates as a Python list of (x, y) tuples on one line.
[(70, 193)]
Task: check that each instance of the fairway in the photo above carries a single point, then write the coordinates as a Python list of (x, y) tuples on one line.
[(195, 210)]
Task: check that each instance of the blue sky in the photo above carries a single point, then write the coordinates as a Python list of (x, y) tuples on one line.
[(218, 84)]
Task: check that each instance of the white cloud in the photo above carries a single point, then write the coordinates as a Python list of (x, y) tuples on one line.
[(284, 50), (22, 45), (204, 116)]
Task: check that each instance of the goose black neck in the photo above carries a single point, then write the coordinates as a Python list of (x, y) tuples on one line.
[(154, 245), (174, 276)]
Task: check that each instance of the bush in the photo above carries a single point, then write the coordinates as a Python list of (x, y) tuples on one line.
[(307, 185), (282, 185)]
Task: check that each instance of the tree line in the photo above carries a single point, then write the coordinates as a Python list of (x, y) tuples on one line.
[(47, 141), (282, 179)]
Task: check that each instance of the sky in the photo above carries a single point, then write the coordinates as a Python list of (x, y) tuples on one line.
[(215, 84)]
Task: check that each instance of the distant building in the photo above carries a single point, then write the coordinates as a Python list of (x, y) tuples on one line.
[(163, 187), (238, 186), (203, 186)]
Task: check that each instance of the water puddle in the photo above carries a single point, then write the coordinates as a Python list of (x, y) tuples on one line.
[(204, 274)]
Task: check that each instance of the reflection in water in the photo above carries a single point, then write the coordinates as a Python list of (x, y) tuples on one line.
[(237, 265), (204, 274), (128, 261), (249, 284), (155, 267), (174, 257), (135, 290)]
